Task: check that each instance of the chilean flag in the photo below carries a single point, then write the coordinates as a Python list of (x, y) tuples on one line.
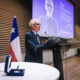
[(14, 46)]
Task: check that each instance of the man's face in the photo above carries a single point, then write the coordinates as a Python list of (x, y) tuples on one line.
[(49, 7), (36, 27)]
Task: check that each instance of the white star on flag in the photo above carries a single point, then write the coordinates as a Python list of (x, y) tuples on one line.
[(13, 30)]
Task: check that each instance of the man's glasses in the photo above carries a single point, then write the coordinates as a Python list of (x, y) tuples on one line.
[(36, 24)]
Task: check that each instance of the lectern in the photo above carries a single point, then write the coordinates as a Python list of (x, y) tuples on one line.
[(55, 44)]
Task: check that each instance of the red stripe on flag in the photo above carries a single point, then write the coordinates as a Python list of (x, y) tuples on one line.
[(10, 51)]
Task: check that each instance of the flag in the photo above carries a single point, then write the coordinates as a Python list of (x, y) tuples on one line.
[(14, 46)]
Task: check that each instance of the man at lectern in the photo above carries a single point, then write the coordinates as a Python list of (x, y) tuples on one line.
[(33, 43)]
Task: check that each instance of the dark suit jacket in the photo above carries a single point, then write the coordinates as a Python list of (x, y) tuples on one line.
[(33, 48)]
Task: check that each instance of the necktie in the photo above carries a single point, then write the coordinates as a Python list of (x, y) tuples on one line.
[(38, 38)]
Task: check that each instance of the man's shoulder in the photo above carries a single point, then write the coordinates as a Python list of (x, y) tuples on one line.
[(30, 33)]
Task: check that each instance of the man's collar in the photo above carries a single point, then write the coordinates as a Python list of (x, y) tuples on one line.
[(34, 32)]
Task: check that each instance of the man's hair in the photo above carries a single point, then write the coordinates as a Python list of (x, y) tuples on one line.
[(32, 21)]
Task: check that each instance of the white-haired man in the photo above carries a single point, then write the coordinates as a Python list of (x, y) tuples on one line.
[(33, 43)]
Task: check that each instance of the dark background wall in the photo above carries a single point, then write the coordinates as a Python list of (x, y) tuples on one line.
[(8, 9), (77, 22)]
